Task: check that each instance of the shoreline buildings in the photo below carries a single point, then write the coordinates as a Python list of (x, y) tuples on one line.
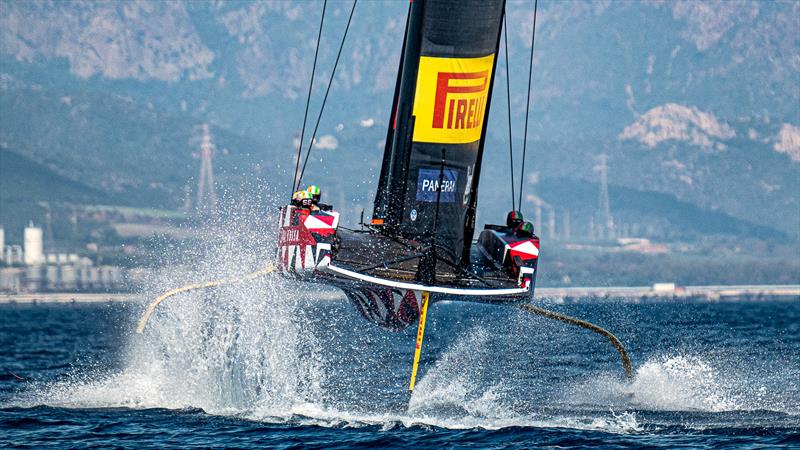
[(29, 269)]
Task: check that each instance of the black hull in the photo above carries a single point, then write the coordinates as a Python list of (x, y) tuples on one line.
[(382, 277)]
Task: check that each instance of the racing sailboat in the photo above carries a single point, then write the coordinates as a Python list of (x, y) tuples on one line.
[(418, 246), (419, 239)]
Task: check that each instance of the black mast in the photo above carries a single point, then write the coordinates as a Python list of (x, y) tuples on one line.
[(395, 155), (469, 223)]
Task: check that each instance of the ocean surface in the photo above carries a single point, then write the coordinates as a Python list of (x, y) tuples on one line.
[(265, 365)]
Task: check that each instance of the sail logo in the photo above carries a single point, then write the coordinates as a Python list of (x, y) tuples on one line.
[(462, 112), (428, 185), (450, 99)]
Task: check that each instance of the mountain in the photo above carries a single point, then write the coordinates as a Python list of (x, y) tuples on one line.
[(23, 179), (662, 213), (695, 100), (133, 153), (26, 187)]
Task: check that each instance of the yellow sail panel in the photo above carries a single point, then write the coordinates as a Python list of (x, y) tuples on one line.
[(450, 99)]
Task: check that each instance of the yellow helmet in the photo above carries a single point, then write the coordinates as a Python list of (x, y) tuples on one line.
[(315, 192), (302, 199)]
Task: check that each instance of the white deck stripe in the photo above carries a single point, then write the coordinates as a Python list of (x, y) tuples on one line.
[(422, 287)]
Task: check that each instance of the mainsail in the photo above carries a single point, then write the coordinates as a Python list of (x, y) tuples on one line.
[(432, 160)]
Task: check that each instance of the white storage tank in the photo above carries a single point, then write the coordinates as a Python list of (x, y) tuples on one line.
[(69, 277), (33, 278), (51, 278), (33, 248)]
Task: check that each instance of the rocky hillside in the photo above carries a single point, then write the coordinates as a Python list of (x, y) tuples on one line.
[(694, 100)]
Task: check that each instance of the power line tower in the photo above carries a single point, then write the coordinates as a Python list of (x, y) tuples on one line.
[(206, 195), (606, 225)]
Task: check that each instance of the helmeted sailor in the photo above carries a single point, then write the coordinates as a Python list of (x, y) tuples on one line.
[(297, 198), (524, 230), (513, 219), (316, 193), (303, 199)]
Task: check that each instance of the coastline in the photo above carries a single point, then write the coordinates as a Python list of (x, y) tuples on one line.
[(559, 295), (67, 297)]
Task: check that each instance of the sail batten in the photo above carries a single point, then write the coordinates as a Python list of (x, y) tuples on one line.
[(441, 107)]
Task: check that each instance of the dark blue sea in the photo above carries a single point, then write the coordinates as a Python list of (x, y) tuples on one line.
[(265, 366)]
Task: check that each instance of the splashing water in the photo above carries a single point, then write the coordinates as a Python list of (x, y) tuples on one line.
[(682, 383), (450, 390), (685, 383), (245, 351), (237, 348), (227, 350), (453, 394)]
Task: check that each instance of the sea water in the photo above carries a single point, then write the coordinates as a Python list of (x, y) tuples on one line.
[(264, 365)]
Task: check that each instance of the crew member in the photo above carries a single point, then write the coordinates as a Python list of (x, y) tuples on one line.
[(315, 192), (316, 195), (524, 230), (297, 198), (304, 200), (513, 219)]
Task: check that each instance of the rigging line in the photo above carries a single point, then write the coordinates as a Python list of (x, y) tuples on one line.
[(327, 91), (528, 104), (308, 98), (508, 98)]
